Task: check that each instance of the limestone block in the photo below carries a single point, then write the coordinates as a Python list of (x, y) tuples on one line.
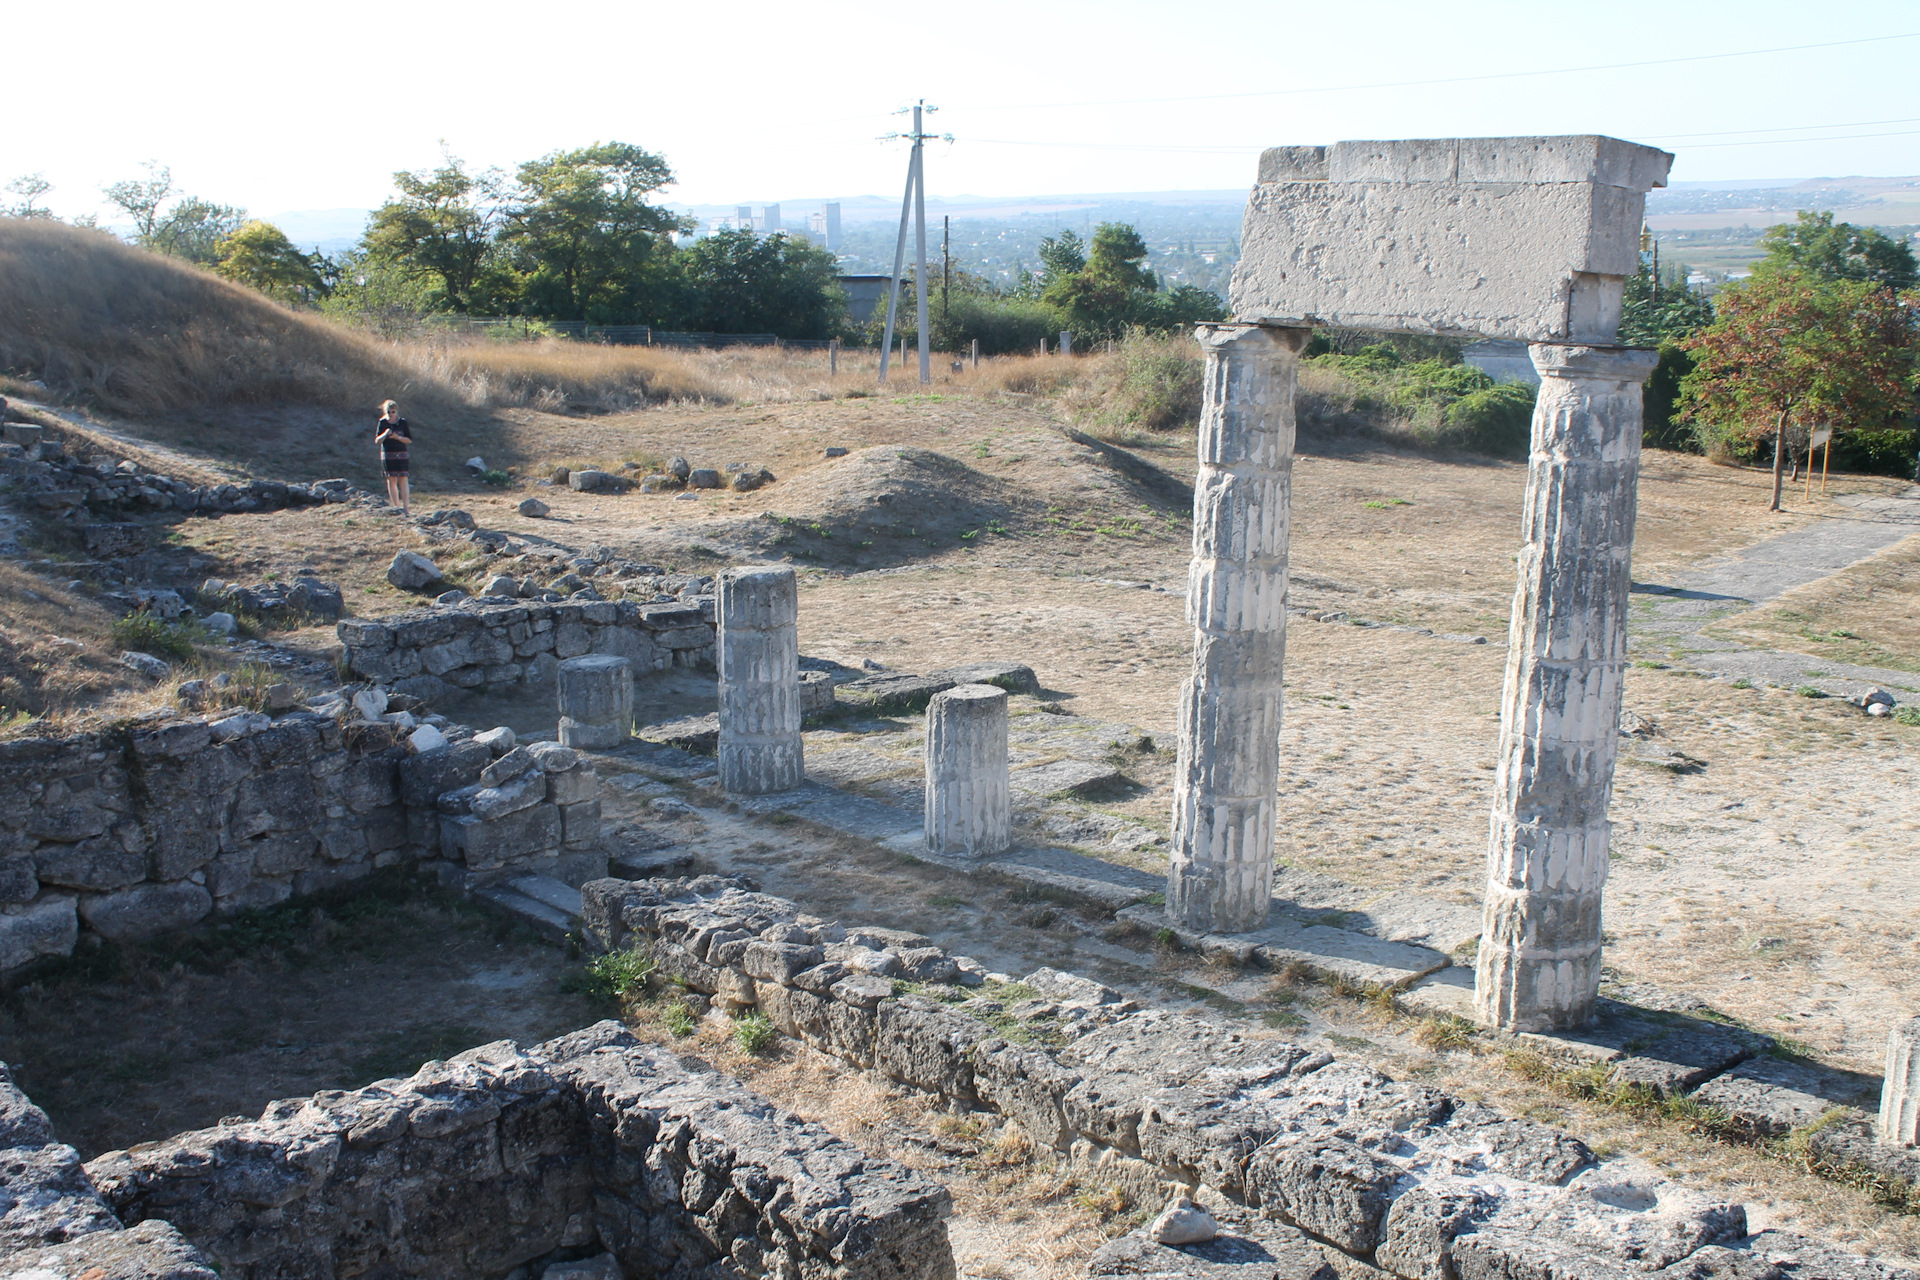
[(48, 927), (580, 824), (423, 777), (1028, 1086), (759, 749), (816, 693), (490, 803), (969, 804), (596, 701), (486, 846), (17, 880), (574, 786), (47, 1198), (927, 1045), (1527, 238), (1900, 1093), (144, 910)]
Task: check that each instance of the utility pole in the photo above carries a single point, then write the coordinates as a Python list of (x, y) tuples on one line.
[(946, 261), (915, 200)]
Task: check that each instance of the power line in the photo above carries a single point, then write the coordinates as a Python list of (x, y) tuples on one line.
[(1785, 128), (1411, 84)]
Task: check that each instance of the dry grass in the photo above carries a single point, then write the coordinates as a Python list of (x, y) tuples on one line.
[(55, 651), (1868, 615)]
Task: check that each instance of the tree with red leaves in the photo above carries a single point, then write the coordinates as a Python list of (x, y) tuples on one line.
[(1790, 351)]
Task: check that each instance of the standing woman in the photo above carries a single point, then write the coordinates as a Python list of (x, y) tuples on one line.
[(393, 436)]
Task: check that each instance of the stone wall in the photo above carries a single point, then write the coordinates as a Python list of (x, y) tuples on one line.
[(137, 832), (495, 1159), (430, 653), (1415, 1181)]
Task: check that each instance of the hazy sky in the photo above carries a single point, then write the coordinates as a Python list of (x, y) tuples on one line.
[(285, 107)]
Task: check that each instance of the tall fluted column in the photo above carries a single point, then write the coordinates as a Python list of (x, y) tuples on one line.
[(1221, 877), (1538, 967), (1900, 1091), (759, 658)]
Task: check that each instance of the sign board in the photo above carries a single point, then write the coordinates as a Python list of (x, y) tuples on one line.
[(1820, 436)]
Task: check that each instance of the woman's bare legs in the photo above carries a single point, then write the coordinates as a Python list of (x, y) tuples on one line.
[(405, 508)]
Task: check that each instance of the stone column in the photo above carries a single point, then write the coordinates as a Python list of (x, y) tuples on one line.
[(758, 647), (1900, 1094), (1221, 878), (596, 702), (969, 806), (1539, 959)]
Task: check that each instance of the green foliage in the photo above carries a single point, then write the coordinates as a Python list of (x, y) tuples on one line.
[(260, 256), (737, 282), (754, 1033), (680, 1020), (1909, 716), (381, 293), (150, 633), (1788, 352), (496, 477), (1655, 316), (1814, 244), (1156, 384), (1496, 420), (439, 234), (616, 976), (1112, 290), (1890, 452), (582, 234), (1661, 427), (195, 229), (1010, 323)]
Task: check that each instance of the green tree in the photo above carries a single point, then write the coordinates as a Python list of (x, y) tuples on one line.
[(194, 229), (142, 199), (378, 294), (1814, 244), (1114, 290), (584, 237), (1655, 313), (738, 282), (1061, 256), (440, 229), (260, 256), (29, 187), (1787, 352)]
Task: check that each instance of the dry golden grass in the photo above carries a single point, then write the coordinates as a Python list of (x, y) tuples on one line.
[(1868, 615)]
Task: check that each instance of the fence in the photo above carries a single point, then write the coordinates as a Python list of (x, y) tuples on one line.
[(625, 335)]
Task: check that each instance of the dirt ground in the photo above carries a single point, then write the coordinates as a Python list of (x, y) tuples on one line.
[(1771, 873)]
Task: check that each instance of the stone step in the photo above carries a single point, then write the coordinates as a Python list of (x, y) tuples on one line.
[(546, 920), (554, 893), (1326, 951)]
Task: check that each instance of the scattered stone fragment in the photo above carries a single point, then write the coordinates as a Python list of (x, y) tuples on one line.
[(476, 465), (501, 585), (560, 475), (1183, 1222), (836, 451), (411, 571), (679, 468), (454, 596), (497, 741), (145, 664), (426, 738), (370, 703), (222, 622), (282, 696), (704, 478), (534, 508)]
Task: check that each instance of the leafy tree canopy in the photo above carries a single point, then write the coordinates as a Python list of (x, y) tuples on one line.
[(259, 254), (582, 232), (737, 282), (1788, 351), (1814, 244), (440, 230), (1652, 315)]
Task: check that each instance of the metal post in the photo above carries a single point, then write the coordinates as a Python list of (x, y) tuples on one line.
[(1066, 342), (833, 358), (976, 353), (899, 261), (920, 251), (946, 261)]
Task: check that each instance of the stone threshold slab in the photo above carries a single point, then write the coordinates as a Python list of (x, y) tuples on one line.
[(1327, 952)]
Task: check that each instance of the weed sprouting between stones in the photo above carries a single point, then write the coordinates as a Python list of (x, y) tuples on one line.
[(754, 1033), (616, 977)]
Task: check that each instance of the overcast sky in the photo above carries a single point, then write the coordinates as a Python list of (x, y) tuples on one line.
[(293, 107)]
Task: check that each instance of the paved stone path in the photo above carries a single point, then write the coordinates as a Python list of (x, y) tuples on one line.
[(1671, 618)]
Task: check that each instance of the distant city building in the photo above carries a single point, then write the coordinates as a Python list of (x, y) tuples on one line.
[(770, 220), (744, 214)]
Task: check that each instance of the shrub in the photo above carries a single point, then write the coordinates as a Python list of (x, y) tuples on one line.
[(1150, 383), (1880, 453), (495, 477), (1495, 420), (150, 633), (754, 1033), (618, 975)]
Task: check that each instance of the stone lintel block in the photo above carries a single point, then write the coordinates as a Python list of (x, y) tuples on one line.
[(1525, 238)]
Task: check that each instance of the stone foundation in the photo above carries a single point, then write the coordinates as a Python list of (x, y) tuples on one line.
[(136, 833), (586, 1145), (432, 653)]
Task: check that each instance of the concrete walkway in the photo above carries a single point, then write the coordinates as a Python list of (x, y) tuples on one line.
[(1670, 618)]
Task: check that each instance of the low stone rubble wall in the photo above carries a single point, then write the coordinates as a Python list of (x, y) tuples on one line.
[(486, 642), (134, 833), (585, 1145), (1413, 1180)]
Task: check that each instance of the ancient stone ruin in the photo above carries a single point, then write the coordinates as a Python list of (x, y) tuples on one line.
[(1516, 238)]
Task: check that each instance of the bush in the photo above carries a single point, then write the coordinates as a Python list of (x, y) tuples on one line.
[(754, 1033), (1151, 383), (149, 633), (1661, 399), (1004, 325), (1496, 420), (613, 977), (1879, 453)]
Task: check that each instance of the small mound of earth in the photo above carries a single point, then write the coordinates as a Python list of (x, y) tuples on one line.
[(880, 504)]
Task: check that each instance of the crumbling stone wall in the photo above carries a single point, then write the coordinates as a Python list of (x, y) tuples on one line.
[(430, 653), (472, 1167), (138, 832), (1416, 1181)]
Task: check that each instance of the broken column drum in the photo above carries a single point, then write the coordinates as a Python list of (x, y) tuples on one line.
[(596, 702), (759, 659), (1539, 958), (969, 804), (1221, 873), (1900, 1092)]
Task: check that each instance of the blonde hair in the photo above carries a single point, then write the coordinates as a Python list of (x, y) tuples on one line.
[(386, 405)]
